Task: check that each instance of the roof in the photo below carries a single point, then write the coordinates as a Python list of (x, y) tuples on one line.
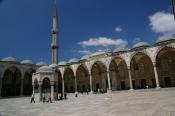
[(26, 62), (140, 44), (9, 59)]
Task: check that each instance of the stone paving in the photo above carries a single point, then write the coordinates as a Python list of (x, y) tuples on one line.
[(119, 103)]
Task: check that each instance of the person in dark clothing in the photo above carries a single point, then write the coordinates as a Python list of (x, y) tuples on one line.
[(65, 95), (32, 98)]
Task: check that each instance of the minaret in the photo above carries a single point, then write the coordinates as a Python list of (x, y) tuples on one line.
[(54, 44)]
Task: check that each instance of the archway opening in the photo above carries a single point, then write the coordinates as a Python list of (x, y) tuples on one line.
[(11, 82), (99, 77), (59, 81), (82, 79), (119, 74), (142, 71), (27, 82), (69, 81), (46, 86), (165, 63)]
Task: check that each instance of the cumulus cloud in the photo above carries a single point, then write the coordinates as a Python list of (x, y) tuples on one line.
[(84, 52), (136, 40), (104, 42), (118, 29), (162, 22)]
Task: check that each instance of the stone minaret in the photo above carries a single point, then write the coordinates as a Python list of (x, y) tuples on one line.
[(54, 44)]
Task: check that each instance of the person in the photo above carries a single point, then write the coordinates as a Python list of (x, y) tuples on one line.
[(32, 98), (76, 94), (65, 95), (44, 99), (87, 91), (49, 98)]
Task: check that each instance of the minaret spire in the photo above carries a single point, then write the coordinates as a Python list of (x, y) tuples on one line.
[(54, 44)]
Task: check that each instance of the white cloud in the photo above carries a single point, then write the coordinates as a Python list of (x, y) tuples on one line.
[(118, 29), (104, 42), (84, 52), (136, 40), (162, 22)]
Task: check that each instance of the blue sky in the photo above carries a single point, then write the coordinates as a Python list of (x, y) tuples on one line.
[(85, 26)]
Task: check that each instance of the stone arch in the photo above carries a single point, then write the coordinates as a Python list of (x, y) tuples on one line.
[(11, 82), (46, 85), (27, 82), (69, 80), (59, 76), (165, 64), (99, 76), (142, 71), (82, 75), (119, 74)]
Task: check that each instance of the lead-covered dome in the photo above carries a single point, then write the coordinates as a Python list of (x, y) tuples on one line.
[(9, 59), (98, 53), (141, 44), (26, 62), (73, 60), (41, 63), (85, 57), (45, 69), (121, 49), (165, 38), (62, 63), (53, 65)]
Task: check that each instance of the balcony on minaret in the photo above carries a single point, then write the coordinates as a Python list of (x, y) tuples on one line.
[(54, 31), (54, 46)]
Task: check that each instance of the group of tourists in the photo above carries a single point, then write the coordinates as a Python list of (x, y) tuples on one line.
[(49, 99)]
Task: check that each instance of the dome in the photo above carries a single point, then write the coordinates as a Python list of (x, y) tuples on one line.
[(26, 62), (45, 69), (140, 44), (73, 60), (62, 63), (165, 38), (121, 49), (53, 65), (41, 64), (97, 53), (9, 59), (85, 57)]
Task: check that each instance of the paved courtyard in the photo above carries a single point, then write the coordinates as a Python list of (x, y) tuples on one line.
[(124, 103)]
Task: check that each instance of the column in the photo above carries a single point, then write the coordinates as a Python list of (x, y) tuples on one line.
[(40, 92), (21, 91), (90, 77), (52, 91), (63, 88), (109, 82), (156, 75), (0, 86), (75, 79), (130, 78)]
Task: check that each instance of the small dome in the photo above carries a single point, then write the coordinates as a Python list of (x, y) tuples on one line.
[(9, 59), (85, 57), (26, 62), (41, 64), (165, 38), (53, 65), (45, 69), (62, 63), (140, 44), (98, 53), (73, 60), (121, 49)]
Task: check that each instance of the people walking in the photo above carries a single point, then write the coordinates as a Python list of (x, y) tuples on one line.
[(32, 98), (49, 98)]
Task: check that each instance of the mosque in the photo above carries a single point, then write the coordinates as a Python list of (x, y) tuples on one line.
[(143, 66)]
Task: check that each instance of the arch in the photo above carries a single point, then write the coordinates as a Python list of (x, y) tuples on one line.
[(82, 75), (11, 82), (142, 71), (69, 80), (119, 74), (46, 85), (99, 76), (165, 64), (59, 76), (27, 82)]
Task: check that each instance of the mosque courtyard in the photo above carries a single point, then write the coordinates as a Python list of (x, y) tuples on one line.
[(150, 102)]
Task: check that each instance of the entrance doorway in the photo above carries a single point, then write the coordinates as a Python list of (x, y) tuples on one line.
[(167, 81), (123, 86), (143, 84)]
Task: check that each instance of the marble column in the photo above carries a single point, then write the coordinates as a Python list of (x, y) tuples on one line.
[(0, 86), (22, 85), (130, 78), (63, 90), (52, 91), (109, 82), (156, 75), (90, 79), (75, 79)]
